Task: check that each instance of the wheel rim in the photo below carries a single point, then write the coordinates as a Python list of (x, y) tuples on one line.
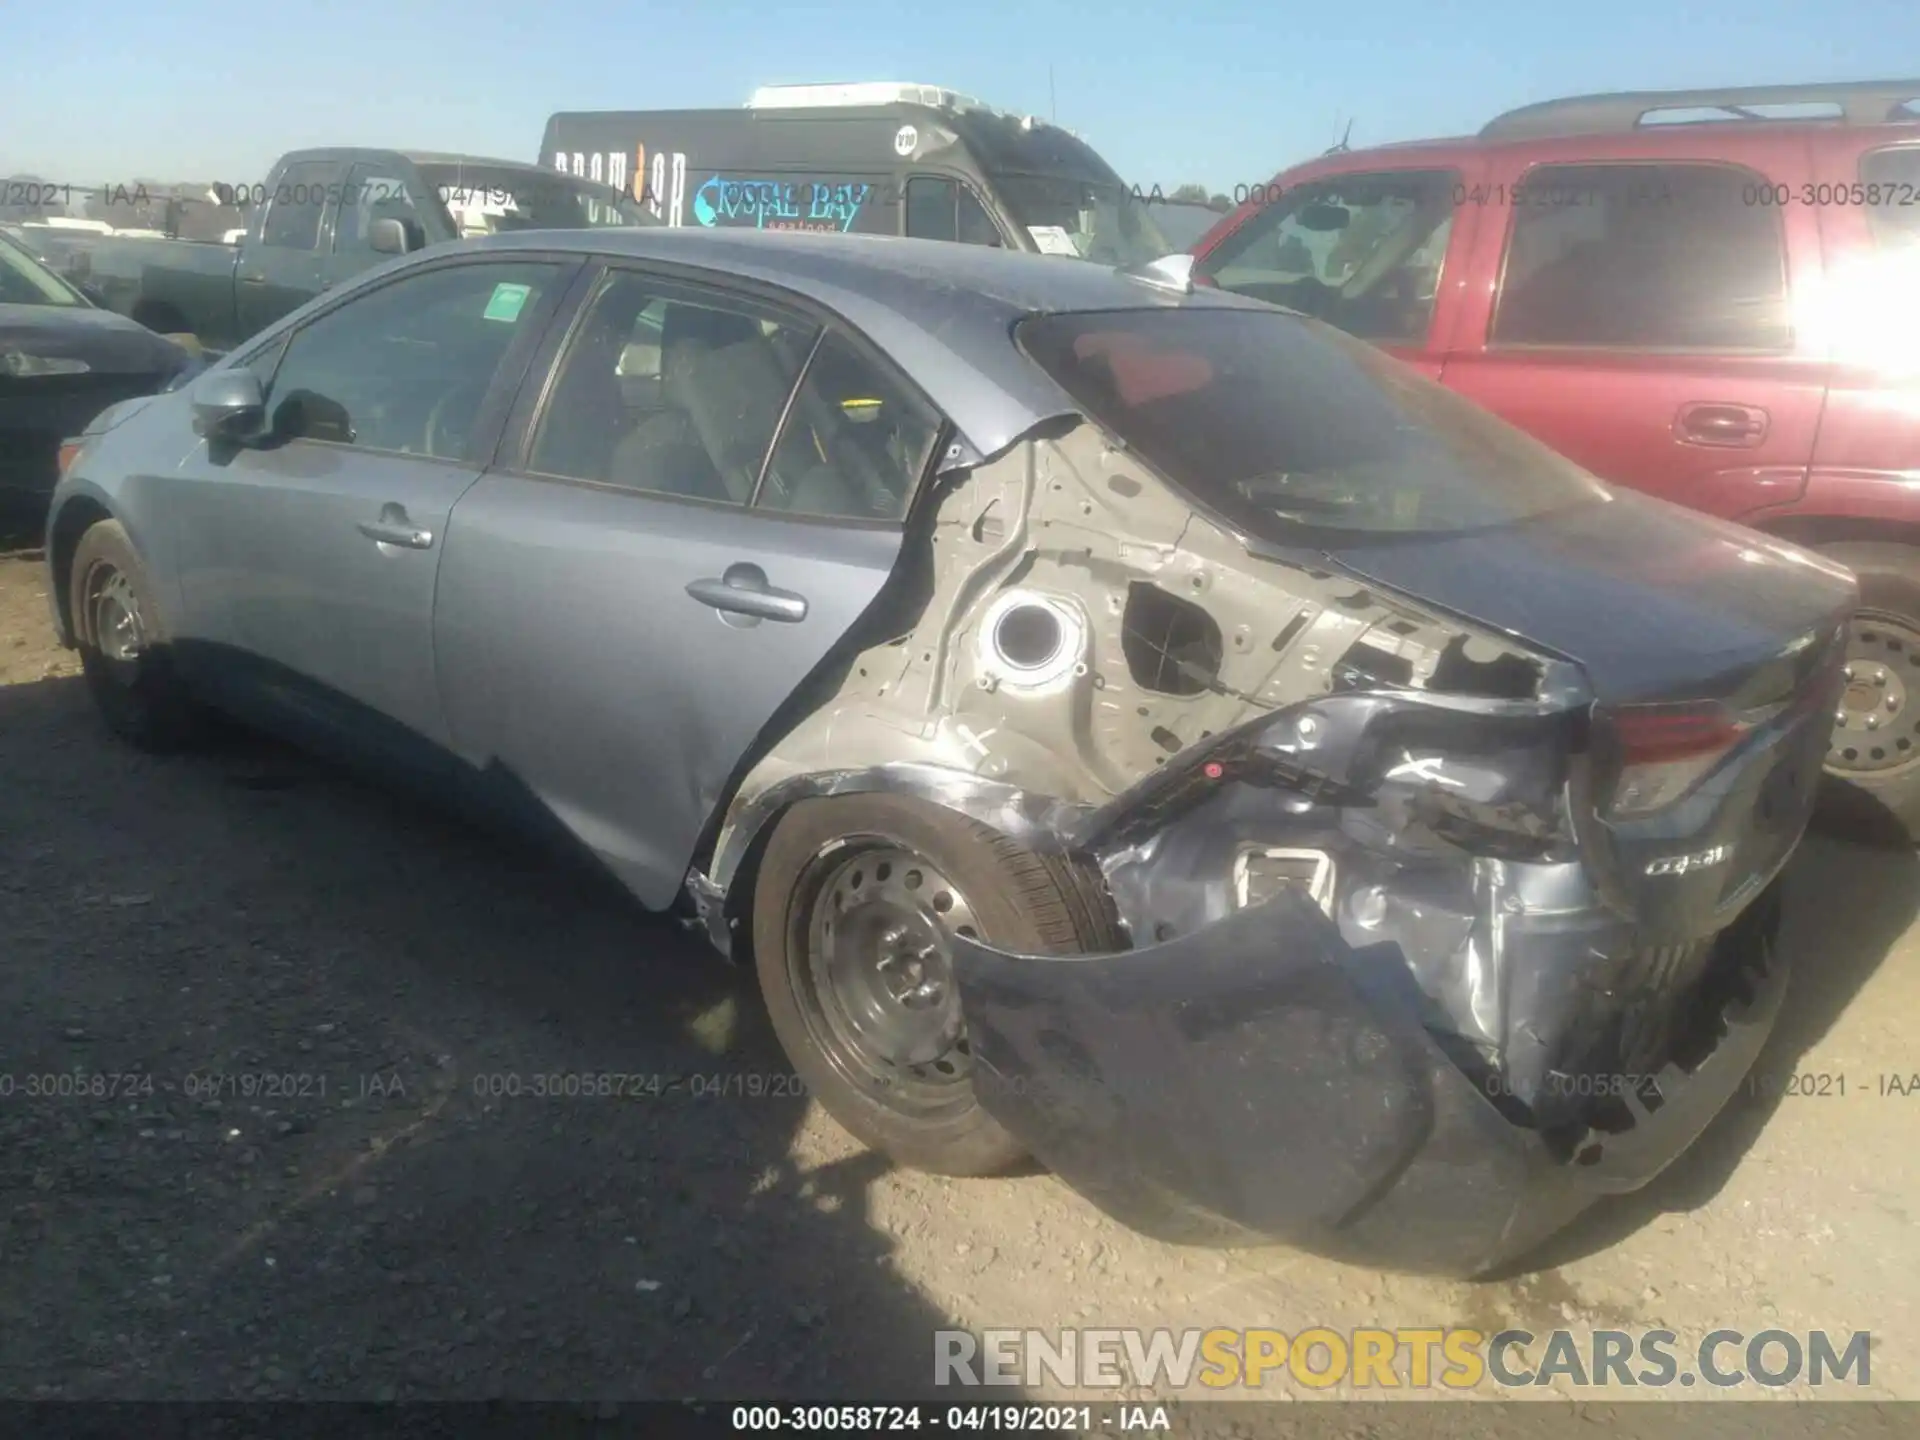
[(1876, 730), (113, 613), (874, 964)]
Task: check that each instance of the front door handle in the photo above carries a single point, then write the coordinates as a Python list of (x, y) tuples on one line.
[(743, 590), (394, 528), (253, 279), (1713, 422)]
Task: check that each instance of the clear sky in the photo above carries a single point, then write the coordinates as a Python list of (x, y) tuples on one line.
[(1222, 92)]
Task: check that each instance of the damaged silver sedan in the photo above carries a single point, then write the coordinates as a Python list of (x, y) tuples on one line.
[(1136, 728)]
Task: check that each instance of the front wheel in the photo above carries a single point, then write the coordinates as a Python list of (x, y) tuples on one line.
[(855, 907), (123, 643)]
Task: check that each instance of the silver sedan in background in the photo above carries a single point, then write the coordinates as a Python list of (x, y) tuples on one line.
[(1138, 727)]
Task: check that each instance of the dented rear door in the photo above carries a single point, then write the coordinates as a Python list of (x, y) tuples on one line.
[(616, 625)]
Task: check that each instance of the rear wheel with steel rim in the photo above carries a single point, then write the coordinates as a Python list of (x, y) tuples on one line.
[(876, 968), (856, 903), (123, 643), (1873, 754)]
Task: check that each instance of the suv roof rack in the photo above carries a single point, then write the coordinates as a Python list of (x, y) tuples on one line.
[(1860, 102)]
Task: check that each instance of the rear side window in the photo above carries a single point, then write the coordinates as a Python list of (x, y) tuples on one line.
[(1891, 179), (1289, 430), (854, 443), (1658, 257), (294, 208), (673, 392), (1361, 252)]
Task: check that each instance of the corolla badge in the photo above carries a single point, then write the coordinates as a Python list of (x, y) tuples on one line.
[(1686, 864)]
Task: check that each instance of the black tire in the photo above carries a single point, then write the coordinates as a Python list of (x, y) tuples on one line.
[(1873, 778), (1018, 900), (140, 698)]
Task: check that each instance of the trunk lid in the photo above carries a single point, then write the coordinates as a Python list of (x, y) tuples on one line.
[(1653, 602)]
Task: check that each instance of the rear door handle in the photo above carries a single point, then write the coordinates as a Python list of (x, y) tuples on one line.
[(394, 528), (743, 590), (1714, 422)]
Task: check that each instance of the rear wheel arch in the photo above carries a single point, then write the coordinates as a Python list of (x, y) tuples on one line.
[(736, 866)]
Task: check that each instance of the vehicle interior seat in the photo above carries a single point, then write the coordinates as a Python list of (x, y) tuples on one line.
[(720, 370)]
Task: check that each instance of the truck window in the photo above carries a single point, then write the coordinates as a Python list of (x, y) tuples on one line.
[(295, 206), (940, 209), (1092, 218), (1891, 178), (1361, 252), (930, 209), (369, 196), (481, 199), (1674, 257)]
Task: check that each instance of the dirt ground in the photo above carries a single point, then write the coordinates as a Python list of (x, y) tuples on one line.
[(382, 1225)]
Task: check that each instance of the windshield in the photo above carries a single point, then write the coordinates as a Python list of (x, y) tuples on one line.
[(482, 200), (1093, 219), (1290, 430), (25, 281)]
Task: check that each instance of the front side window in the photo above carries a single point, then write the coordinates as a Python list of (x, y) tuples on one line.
[(670, 391), (370, 196), (294, 208), (491, 200), (1665, 257), (405, 368), (854, 444), (1361, 252), (1292, 432)]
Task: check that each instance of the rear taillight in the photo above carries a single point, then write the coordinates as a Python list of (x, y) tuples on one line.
[(1665, 750), (69, 452)]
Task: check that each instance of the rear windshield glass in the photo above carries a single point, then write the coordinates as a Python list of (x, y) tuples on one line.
[(481, 200), (1291, 431)]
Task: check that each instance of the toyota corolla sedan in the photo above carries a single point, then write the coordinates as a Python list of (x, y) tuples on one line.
[(1137, 728)]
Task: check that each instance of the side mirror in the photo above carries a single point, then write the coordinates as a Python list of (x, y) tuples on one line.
[(229, 405), (389, 236)]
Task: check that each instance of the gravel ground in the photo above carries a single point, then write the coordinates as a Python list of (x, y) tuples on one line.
[(353, 1215)]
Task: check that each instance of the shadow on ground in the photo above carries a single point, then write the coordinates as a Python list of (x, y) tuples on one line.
[(381, 1105)]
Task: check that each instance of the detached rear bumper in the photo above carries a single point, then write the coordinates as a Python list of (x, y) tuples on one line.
[(1261, 1080)]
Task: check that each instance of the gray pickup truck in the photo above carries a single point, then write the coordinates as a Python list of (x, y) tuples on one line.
[(322, 216)]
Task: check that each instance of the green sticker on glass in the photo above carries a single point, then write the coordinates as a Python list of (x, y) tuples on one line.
[(506, 302)]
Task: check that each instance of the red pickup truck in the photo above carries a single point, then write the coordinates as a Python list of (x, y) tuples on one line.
[(1712, 296)]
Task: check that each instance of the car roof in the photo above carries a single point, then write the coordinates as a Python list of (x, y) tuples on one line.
[(944, 311)]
